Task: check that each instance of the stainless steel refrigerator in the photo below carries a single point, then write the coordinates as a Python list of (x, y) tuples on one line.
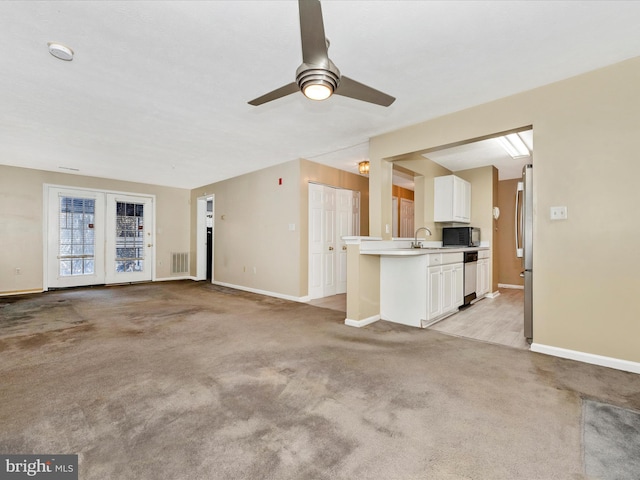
[(524, 243)]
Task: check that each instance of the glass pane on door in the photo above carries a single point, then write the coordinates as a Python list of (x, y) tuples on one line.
[(76, 238), (129, 246)]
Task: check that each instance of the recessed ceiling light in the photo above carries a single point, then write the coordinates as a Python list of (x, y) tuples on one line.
[(514, 145), (60, 51)]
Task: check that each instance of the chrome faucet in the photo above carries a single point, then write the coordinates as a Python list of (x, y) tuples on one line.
[(416, 243)]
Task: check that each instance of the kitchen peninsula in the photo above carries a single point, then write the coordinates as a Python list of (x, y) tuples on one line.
[(419, 286)]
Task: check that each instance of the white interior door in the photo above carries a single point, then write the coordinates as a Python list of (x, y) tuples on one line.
[(355, 213), (333, 214), (129, 238), (75, 238), (344, 225), (406, 218), (394, 217), (316, 246), (329, 241)]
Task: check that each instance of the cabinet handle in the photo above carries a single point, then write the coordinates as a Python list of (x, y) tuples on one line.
[(330, 248), (344, 247)]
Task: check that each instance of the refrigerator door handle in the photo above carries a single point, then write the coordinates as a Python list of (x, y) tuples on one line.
[(518, 224)]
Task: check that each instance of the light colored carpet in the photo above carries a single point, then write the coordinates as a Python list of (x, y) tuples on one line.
[(185, 380)]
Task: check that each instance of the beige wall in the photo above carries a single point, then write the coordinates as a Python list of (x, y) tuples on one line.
[(585, 136), (21, 227), (510, 265), (253, 246)]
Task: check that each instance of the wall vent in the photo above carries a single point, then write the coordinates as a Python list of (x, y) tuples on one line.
[(179, 263)]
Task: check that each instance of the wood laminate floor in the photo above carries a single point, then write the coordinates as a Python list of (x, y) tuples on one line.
[(497, 320), (334, 302)]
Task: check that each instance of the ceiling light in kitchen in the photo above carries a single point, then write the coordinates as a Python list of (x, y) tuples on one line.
[(363, 167), (514, 145)]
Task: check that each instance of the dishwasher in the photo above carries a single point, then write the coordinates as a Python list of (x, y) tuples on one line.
[(470, 276)]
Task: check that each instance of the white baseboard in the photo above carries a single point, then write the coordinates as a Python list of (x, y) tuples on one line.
[(506, 285), (262, 292), (361, 323), (492, 294), (610, 362)]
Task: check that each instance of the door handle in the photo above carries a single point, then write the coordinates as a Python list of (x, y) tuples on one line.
[(518, 218), (149, 245)]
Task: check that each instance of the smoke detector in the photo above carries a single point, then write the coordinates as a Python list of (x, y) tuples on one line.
[(60, 51)]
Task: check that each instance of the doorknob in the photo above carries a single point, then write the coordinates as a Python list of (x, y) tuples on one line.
[(330, 248)]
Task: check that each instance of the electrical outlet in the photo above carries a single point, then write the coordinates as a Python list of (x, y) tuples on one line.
[(558, 213), (18, 271)]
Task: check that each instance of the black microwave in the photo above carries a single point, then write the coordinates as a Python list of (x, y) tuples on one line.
[(460, 237)]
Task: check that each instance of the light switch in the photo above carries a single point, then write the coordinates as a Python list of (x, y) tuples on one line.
[(558, 213)]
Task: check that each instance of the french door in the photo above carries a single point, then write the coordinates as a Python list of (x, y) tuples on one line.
[(75, 238), (128, 246), (97, 237)]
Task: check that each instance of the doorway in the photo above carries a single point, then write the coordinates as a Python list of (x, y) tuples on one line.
[(402, 203), (333, 214), (205, 238), (499, 317), (97, 237), (493, 212)]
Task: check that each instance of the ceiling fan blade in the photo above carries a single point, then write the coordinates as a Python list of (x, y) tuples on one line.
[(277, 93), (314, 42), (352, 89)]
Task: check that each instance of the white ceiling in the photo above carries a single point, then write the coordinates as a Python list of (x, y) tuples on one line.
[(158, 91)]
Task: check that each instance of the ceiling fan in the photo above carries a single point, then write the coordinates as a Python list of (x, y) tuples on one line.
[(318, 78)]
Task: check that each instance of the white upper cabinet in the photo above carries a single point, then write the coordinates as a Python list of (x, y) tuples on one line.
[(452, 199)]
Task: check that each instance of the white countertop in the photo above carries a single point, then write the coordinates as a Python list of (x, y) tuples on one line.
[(419, 251)]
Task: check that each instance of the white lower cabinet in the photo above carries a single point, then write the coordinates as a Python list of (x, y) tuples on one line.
[(445, 285), (483, 274), (419, 289)]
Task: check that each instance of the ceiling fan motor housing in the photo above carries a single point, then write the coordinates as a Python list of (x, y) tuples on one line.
[(328, 76)]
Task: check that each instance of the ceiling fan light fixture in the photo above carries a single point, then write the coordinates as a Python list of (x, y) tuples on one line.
[(318, 77), (317, 91), (317, 83)]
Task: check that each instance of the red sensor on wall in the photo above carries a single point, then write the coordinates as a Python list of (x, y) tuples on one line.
[(280, 181)]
